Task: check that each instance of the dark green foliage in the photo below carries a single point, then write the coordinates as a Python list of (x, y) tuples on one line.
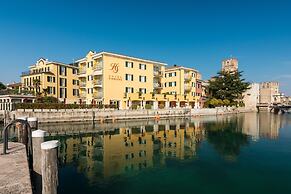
[(2, 86), (226, 89), (148, 106), (47, 99)]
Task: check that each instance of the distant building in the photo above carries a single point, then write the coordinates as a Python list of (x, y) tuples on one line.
[(14, 86), (7, 102), (269, 93), (229, 65), (252, 96)]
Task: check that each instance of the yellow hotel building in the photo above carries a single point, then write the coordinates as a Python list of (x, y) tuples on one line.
[(108, 78), (113, 79), (56, 79), (182, 81)]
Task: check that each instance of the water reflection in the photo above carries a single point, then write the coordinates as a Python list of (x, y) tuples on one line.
[(108, 153), (105, 150)]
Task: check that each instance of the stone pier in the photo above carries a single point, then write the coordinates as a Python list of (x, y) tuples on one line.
[(14, 170)]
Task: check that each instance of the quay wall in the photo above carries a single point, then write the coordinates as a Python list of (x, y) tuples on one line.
[(79, 115), (82, 115)]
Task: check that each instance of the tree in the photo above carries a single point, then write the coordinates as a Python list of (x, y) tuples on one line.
[(2, 86), (227, 88), (36, 86)]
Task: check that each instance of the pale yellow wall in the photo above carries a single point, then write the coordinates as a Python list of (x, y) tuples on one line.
[(52, 69), (181, 82)]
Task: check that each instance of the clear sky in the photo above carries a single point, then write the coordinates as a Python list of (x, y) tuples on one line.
[(196, 34)]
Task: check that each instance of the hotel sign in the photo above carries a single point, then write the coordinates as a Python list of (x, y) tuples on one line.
[(114, 67)]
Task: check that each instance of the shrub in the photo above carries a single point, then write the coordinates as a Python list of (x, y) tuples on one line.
[(134, 106), (57, 106), (148, 106), (47, 99)]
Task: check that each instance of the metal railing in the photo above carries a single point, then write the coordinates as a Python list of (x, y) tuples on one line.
[(26, 139)]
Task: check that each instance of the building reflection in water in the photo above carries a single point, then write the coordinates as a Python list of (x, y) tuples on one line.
[(109, 153)]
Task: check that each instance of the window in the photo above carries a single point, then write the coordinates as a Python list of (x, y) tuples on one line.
[(75, 82), (49, 79), (75, 92), (128, 64), (90, 90), (193, 75), (63, 82), (63, 92), (128, 90), (173, 74), (129, 77), (90, 78), (51, 90), (63, 70), (142, 66), (142, 78), (171, 84), (193, 93), (142, 90), (74, 71), (193, 84), (89, 64)]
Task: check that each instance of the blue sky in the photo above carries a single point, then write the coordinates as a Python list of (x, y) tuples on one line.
[(196, 34)]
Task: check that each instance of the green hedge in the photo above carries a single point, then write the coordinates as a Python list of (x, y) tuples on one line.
[(60, 106)]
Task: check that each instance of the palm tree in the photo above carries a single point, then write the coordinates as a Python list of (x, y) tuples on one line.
[(36, 85), (45, 91)]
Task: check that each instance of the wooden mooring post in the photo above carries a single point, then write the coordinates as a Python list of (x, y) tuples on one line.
[(33, 122), (49, 166), (37, 140)]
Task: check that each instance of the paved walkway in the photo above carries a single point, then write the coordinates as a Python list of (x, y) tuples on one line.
[(14, 171)]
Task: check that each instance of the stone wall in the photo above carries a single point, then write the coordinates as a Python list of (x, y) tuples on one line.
[(71, 115), (79, 115)]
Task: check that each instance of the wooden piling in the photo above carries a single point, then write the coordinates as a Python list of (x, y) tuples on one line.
[(33, 122), (49, 166), (22, 131), (37, 140)]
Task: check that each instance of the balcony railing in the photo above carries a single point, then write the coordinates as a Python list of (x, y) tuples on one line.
[(82, 84), (187, 88), (82, 71), (157, 85), (98, 95), (158, 74), (97, 83), (25, 73), (187, 77), (83, 95)]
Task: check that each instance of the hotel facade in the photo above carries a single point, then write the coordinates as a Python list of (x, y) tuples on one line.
[(54, 79), (126, 82)]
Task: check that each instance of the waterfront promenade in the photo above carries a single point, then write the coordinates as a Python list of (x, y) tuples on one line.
[(14, 176)]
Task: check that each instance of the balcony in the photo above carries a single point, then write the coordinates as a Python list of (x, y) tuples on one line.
[(82, 73), (158, 86), (187, 77), (98, 95), (82, 85), (187, 88), (158, 74), (97, 83), (98, 69), (35, 72), (83, 95)]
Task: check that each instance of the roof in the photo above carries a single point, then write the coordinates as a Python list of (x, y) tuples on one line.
[(96, 55), (175, 67), (71, 65)]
